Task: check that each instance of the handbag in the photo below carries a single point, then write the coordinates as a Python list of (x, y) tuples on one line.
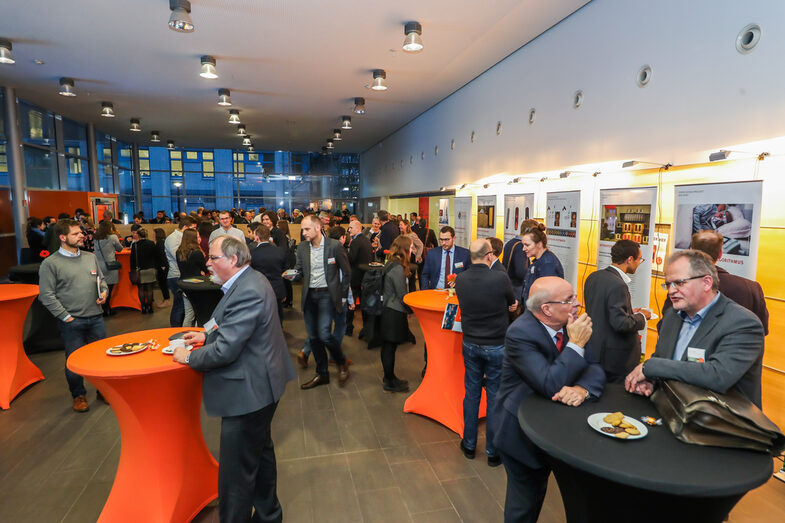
[(110, 265), (704, 417)]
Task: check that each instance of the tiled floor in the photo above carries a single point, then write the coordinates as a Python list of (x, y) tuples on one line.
[(344, 454)]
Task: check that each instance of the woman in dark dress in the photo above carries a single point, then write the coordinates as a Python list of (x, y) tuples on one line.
[(269, 218), (205, 229), (291, 259), (191, 262), (162, 265), (535, 244), (394, 322), (145, 258)]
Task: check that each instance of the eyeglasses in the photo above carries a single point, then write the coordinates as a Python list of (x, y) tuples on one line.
[(212, 258), (571, 301), (680, 283)]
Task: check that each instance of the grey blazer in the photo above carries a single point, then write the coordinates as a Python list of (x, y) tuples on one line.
[(732, 337), (245, 361), (335, 261)]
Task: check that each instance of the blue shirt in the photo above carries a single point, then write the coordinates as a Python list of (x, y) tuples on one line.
[(228, 283), (441, 284), (688, 328)]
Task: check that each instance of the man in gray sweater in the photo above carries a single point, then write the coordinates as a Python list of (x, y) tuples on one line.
[(69, 283)]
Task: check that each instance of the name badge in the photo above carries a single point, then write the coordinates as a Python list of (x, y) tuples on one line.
[(694, 354), (459, 265), (210, 326), (93, 273), (330, 261)]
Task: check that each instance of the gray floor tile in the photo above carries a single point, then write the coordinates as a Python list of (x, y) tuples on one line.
[(447, 515), (447, 460), (370, 470), (472, 500), (383, 506), (420, 488)]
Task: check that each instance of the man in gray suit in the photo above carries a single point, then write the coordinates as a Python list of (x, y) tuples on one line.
[(706, 339), (320, 260), (614, 340), (246, 365)]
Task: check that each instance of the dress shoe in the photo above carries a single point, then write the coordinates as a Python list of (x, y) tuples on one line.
[(468, 453), (302, 359), (100, 396), (494, 461), (316, 381), (343, 373), (395, 385), (348, 361), (80, 404)]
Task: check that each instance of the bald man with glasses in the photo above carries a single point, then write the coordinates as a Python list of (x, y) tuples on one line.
[(706, 339)]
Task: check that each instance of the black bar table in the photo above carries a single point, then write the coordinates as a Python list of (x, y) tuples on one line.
[(40, 332), (203, 294), (657, 478)]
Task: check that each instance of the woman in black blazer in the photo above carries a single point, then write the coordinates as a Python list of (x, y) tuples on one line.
[(144, 257)]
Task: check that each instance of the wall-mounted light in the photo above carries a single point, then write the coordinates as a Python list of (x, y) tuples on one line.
[(155, 136), (337, 135), (208, 67), (107, 110), (6, 57), (442, 188), (346, 122), (241, 130), (67, 87), (223, 97), (633, 163), (170, 144), (565, 174), (180, 19), (412, 43), (359, 105), (379, 82), (234, 116), (485, 186), (462, 187), (136, 125)]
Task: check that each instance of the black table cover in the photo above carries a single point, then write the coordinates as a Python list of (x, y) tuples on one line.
[(204, 296), (656, 478), (40, 331)]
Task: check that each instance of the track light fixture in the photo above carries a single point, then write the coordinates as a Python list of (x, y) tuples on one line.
[(359, 105), (633, 163), (170, 144), (155, 136), (346, 122), (565, 174), (180, 19), (337, 135), (135, 125), (241, 130), (234, 116), (412, 43), (107, 110), (67, 87), (379, 80), (5, 52), (208, 67), (223, 97)]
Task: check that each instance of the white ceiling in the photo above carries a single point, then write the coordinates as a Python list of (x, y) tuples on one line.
[(293, 66)]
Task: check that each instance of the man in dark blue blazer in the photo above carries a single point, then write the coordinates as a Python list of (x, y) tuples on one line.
[(434, 275), (544, 354)]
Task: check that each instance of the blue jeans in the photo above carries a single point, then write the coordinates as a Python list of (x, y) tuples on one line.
[(76, 334), (339, 329), (319, 312), (480, 360), (177, 316)]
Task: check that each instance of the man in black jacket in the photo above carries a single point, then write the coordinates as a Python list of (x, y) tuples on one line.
[(485, 297), (387, 233), (271, 262), (360, 253), (614, 341)]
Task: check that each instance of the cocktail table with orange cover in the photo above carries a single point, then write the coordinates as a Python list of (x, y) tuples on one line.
[(440, 395), (16, 369), (125, 293), (166, 472)]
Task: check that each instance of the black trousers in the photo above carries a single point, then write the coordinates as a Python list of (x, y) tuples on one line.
[(525, 490), (247, 471)]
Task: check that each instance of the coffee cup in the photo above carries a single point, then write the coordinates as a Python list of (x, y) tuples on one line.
[(176, 344)]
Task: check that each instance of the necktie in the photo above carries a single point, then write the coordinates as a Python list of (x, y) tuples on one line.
[(447, 266), (559, 341)]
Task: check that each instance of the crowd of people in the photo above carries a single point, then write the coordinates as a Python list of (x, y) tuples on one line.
[(523, 331)]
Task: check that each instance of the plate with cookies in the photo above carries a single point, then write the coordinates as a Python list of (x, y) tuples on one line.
[(617, 425)]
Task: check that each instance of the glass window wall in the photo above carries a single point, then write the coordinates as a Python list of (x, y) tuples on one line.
[(41, 168)]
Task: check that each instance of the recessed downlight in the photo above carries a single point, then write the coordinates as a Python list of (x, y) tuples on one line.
[(644, 75), (532, 115), (748, 38), (577, 99)]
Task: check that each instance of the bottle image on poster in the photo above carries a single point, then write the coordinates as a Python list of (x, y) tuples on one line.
[(563, 235), (517, 207)]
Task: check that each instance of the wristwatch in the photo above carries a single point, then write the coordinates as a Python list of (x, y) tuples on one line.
[(584, 399)]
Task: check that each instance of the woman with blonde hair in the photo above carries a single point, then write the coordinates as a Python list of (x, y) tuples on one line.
[(394, 322), (406, 230)]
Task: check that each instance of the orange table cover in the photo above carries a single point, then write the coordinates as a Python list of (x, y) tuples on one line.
[(16, 369), (166, 472), (440, 395), (125, 294)]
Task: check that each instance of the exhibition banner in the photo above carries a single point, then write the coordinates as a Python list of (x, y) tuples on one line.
[(629, 214), (444, 211), (733, 209), (517, 207), (486, 216), (463, 220), (563, 223)]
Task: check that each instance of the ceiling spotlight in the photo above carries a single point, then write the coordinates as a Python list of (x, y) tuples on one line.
[(516, 180), (346, 122), (170, 144), (442, 188), (67, 87), (565, 174), (629, 163), (180, 19), (241, 130), (107, 110), (485, 186), (135, 125), (379, 77), (223, 97), (330, 145), (5, 52), (722, 154), (359, 105), (208, 68), (337, 135), (234, 116), (155, 136), (632, 163), (247, 140), (462, 187), (250, 148), (413, 41)]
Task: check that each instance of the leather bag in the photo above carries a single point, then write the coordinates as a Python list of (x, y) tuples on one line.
[(704, 417)]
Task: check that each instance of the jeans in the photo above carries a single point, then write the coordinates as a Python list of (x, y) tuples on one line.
[(76, 334), (319, 312), (480, 360), (177, 316), (339, 330)]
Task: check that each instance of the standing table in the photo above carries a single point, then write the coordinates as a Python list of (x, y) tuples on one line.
[(125, 294), (203, 294), (657, 478), (166, 473), (440, 394), (39, 336), (16, 370)]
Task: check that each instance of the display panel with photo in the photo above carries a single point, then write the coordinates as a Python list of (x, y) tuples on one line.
[(732, 220), (625, 222)]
